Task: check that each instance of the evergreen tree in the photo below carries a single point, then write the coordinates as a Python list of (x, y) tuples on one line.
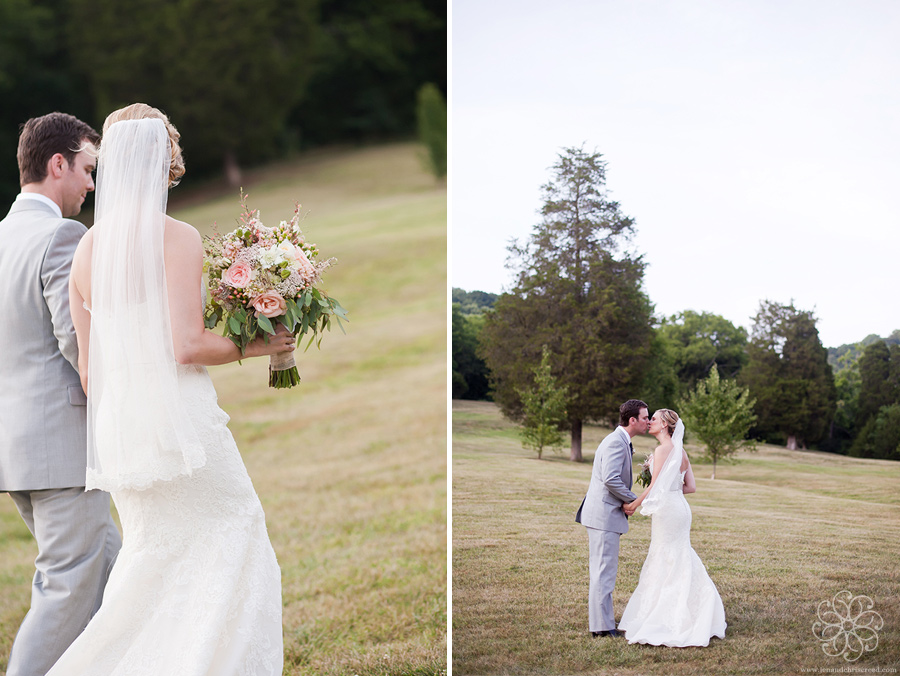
[(579, 292), (36, 78), (544, 407), (370, 60), (874, 381), (789, 374), (720, 414), (227, 74)]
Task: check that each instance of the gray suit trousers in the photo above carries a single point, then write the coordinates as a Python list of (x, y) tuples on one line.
[(604, 563), (77, 544)]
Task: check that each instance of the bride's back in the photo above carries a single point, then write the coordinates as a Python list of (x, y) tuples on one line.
[(180, 245)]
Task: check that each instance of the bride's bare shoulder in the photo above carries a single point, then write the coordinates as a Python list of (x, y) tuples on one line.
[(85, 245), (181, 235), (81, 261)]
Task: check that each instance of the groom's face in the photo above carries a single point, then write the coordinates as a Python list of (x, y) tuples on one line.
[(78, 181), (644, 421)]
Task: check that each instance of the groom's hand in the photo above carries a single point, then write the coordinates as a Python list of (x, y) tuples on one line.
[(628, 509)]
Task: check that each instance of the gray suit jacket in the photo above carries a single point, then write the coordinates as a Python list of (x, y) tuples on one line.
[(42, 406), (610, 485)]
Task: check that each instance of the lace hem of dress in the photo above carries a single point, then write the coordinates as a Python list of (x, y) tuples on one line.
[(139, 481)]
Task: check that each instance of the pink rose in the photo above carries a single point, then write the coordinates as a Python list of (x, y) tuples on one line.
[(304, 268), (270, 304), (238, 275)]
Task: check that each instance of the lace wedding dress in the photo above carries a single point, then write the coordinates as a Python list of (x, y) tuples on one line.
[(196, 589), (676, 603)]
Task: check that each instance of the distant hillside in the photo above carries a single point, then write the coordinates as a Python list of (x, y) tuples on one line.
[(474, 302), (855, 350)]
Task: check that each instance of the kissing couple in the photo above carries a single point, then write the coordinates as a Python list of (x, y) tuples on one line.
[(675, 603)]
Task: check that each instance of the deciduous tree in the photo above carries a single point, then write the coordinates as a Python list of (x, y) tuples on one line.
[(720, 414), (699, 340), (469, 373)]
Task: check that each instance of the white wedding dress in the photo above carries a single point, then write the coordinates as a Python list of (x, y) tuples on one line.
[(196, 589), (676, 603)]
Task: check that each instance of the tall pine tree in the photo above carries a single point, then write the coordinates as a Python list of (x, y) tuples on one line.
[(579, 291)]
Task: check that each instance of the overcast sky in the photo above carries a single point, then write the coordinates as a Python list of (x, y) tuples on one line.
[(754, 142)]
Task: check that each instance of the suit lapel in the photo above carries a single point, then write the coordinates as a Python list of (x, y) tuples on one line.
[(628, 460)]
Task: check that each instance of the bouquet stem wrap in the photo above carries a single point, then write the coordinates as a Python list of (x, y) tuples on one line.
[(283, 370)]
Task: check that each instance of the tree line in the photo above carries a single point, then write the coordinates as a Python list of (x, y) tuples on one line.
[(577, 311), (244, 80)]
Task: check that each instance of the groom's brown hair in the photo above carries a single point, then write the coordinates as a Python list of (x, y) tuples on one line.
[(630, 409), (42, 137)]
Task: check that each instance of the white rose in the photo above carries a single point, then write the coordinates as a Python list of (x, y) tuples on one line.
[(287, 250)]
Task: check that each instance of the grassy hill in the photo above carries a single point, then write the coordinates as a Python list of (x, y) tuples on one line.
[(351, 465), (780, 532)]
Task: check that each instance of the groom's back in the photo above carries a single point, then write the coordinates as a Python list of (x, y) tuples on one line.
[(42, 405)]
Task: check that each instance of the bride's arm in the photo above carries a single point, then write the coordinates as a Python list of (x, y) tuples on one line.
[(193, 342), (690, 486), (81, 318)]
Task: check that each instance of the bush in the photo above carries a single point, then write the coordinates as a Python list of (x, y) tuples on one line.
[(880, 436), (432, 118)]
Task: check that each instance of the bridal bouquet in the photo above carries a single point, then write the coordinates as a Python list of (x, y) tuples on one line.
[(644, 478), (260, 276)]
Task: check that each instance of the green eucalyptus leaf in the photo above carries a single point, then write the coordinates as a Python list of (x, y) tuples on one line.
[(266, 325)]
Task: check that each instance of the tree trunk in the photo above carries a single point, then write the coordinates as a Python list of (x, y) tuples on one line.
[(575, 452), (232, 170), (792, 443), (714, 467)]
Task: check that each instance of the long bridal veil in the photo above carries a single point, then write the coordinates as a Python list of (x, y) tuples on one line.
[(670, 469), (138, 430)]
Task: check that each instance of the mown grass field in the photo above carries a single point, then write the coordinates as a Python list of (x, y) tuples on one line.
[(351, 465), (779, 531)]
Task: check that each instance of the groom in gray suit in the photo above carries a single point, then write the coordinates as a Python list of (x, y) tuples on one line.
[(42, 405), (602, 514)]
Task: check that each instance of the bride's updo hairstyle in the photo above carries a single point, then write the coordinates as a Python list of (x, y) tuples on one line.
[(141, 111), (669, 418)]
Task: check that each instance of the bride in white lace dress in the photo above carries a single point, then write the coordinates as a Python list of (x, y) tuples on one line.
[(196, 588), (675, 603)]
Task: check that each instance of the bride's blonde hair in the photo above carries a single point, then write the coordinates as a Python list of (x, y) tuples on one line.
[(141, 111), (669, 418)]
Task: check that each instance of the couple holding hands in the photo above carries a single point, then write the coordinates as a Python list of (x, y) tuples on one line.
[(675, 603)]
